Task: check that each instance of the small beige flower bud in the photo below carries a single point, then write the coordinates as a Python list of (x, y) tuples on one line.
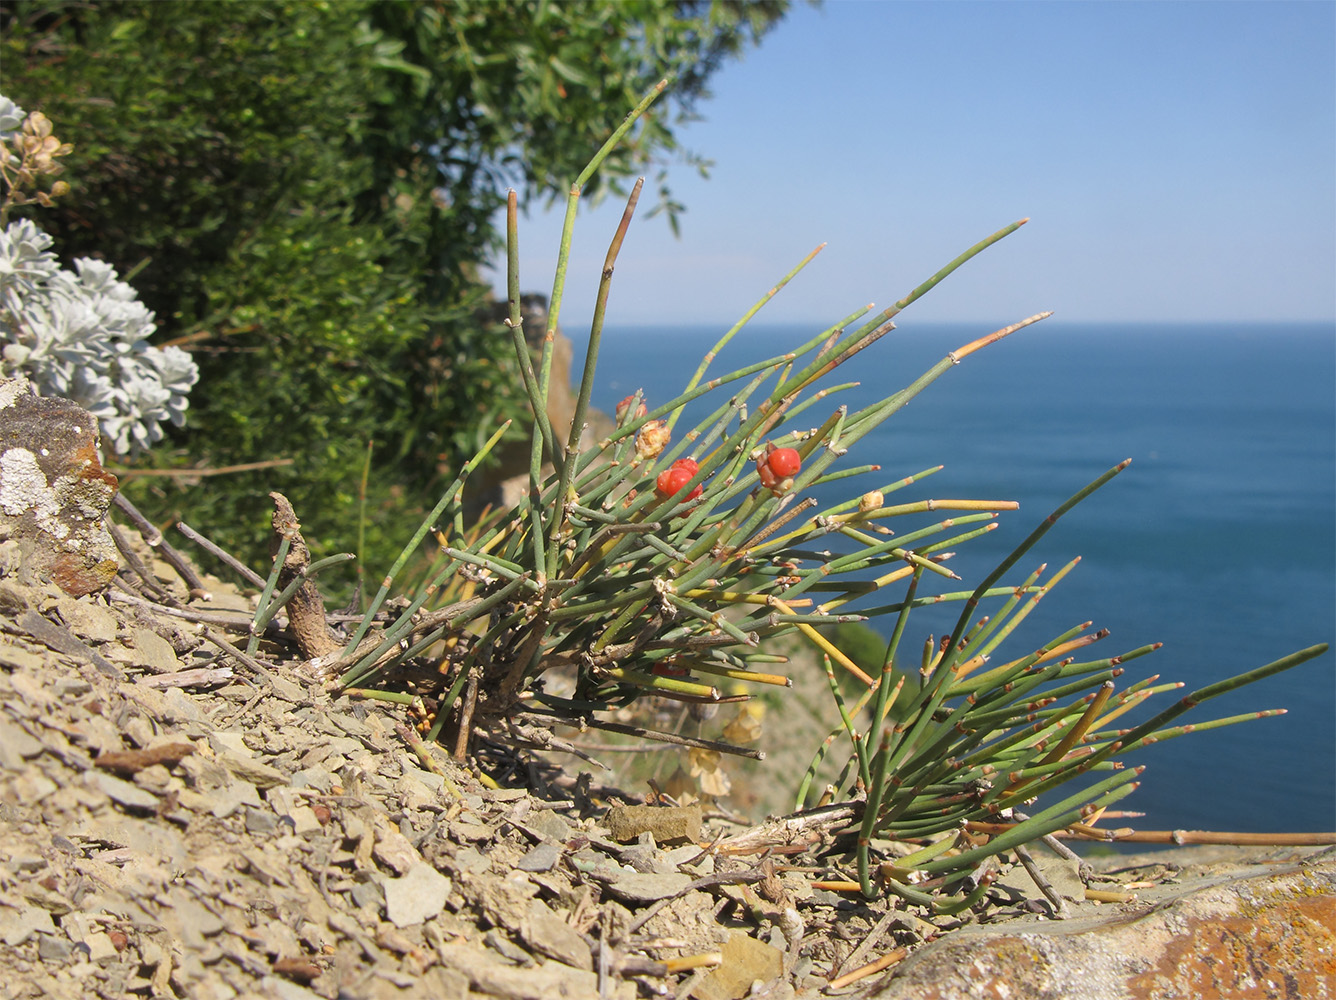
[(652, 439)]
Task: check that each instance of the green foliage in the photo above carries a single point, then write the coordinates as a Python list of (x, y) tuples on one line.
[(303, 193)]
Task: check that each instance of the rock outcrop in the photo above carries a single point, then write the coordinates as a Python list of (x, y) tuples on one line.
[(54, 493), (1219, 930)]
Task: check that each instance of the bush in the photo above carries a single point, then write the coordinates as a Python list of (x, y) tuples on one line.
[(304, 192), (81, 334)]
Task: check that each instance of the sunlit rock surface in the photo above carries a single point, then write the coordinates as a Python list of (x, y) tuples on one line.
[(54, 493)]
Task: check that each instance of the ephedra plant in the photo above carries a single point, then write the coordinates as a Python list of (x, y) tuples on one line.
[(666, 560)]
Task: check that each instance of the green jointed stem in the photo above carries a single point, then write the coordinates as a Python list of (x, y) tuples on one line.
[(1211, 691), (284, 543), (558, 290), (537, 398), (1169, 734), (543, 437), (654, 682), (1023, 548), (1065, 813), (566, 462), (311, 569), (848, 722), (451, 495), (876, 789), (568, 227), (746, 318), (973, 251), (892, 651), (871, 417)]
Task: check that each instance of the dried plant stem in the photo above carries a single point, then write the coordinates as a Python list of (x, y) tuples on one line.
[(871, 969), (243, 657), (136, 565), (227, 470), (293, 568), (1217, 837), (155, 541), (1058, 904), (251, 577), (1082, 831)]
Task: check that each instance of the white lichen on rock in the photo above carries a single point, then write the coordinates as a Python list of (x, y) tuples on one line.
[(54, 493)]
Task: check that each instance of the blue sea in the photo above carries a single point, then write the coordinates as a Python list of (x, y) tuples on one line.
[(1219, 540)]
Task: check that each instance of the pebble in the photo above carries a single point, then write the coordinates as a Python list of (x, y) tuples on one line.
[(226, 801), (667, 823), (229, 742), (551, 825), (641, 887), (250, 769), (471, 860), (541, 859), (92, 622), (260, 822), (368, 895), (54, 949), (18, 926), (464, 830), (285, 989), (16, 746), (18, 658), (746, 961), (313, 777), (418, 895), (506, 948), (303, 820), (286, 690), (155, 652), (100, 946), (545, 932), (122, 792), (72, 687), (392, 848), (154, 778), (179, 706), (689, 853)]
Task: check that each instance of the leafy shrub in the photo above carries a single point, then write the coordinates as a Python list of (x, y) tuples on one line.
[(304, 192), (81, 334)]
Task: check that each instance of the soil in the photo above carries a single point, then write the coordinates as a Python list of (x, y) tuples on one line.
[(177, 820)]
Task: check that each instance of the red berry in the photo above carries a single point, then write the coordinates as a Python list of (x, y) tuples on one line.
[(784, 462), (687, 463), (777, 467), (671, 481)]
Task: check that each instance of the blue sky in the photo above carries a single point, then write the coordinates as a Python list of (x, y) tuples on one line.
[(1177, 162)]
